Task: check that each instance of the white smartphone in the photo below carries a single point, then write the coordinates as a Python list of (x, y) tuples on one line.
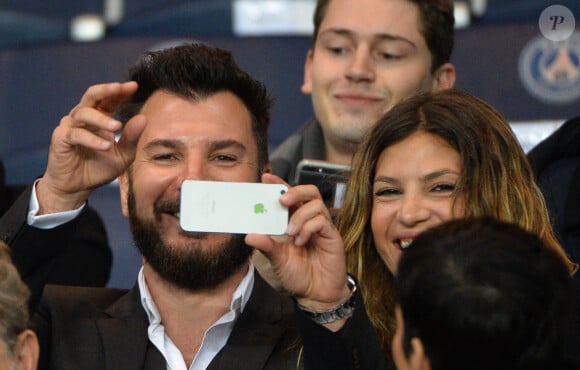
[(233, 207)]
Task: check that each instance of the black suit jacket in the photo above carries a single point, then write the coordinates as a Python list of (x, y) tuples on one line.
[(96, 328), (87, 259), (100, 328), (556, 162)]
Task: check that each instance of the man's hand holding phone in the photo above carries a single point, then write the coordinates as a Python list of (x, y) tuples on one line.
[(309, 260), (305, 250)]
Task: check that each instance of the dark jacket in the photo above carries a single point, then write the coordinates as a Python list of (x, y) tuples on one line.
[(306, 143), (87, 259), (556, 161)]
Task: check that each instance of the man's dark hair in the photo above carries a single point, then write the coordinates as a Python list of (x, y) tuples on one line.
[(483, 294), (196, 72), (436, 22)]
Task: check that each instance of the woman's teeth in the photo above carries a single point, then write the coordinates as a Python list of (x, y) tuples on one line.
[(405, 243)]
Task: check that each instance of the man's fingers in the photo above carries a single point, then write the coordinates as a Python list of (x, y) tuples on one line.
[(316, 226), (92, 119), (111, 104), (130, 136), (87, 139), (269, 178), (305, 213), (261, 242), (107, 97), (300, 194)]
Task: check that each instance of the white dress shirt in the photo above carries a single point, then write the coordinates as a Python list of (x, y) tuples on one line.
[(214, 339)]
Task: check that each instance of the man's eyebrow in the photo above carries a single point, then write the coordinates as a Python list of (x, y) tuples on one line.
[(177, 144), (164, 143), (381, 36), (227, 143)]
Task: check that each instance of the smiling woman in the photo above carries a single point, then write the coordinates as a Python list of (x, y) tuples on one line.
[(414, 185), (434, 157)]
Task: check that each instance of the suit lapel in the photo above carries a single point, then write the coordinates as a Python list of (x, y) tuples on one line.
[(256, 332), (125, 338)]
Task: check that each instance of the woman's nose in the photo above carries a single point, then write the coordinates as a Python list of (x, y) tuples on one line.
[(413, 210)]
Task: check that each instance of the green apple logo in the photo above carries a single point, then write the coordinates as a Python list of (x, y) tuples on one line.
[(259, 208)]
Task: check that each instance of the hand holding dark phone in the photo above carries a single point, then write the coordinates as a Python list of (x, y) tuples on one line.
[(330, 178)]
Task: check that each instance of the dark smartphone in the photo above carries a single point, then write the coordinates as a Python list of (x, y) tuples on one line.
[(330, 178)]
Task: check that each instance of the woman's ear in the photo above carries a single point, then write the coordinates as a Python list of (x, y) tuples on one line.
[(418, 359), (27, 350)]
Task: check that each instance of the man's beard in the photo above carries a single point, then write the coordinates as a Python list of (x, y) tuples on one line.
[(191, 268)]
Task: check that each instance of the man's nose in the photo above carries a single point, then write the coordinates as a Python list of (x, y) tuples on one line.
[(361, 66), (195, 169)]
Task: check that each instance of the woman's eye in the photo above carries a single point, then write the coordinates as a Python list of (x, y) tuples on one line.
[(444, 187), (387, 192)]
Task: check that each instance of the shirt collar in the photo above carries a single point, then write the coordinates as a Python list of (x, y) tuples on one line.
[(240, 297)]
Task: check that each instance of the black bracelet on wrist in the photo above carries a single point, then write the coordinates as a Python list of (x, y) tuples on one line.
[(345, 309)]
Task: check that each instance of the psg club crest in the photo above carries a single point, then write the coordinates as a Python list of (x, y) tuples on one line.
[(550, 70)]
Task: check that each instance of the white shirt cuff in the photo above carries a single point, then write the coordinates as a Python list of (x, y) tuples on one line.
[(48, 221)]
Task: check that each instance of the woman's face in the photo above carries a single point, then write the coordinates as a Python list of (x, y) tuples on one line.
[(413, 190)]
